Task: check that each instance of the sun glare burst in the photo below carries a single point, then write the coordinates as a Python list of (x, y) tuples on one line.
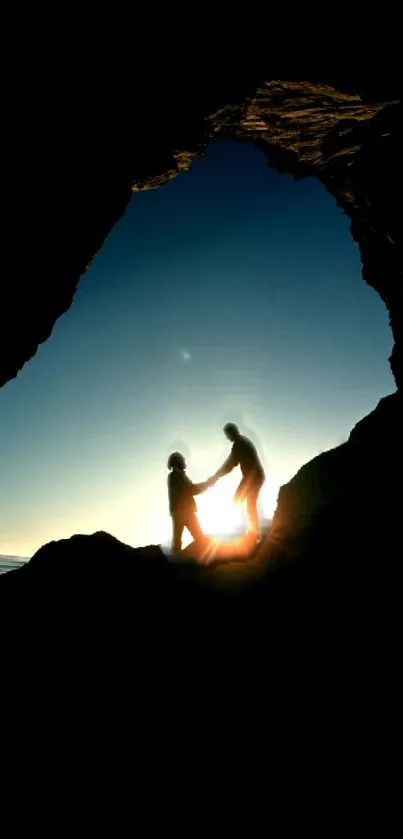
[(217, 514)]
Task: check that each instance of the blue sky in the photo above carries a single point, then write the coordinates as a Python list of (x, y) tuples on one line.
[(231, 293)]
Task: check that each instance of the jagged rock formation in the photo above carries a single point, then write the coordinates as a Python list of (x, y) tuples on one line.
[(364, 471)]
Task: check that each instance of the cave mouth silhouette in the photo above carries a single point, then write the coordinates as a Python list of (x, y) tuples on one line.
[(72, 161), (214, 142), (345, 130)]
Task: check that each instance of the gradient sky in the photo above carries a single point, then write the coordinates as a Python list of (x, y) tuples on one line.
[(231, 293)]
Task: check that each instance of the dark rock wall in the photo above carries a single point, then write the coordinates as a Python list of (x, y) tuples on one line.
[(357, 483), (351, 141)]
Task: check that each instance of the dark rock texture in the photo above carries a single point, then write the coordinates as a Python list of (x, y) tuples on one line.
[(110, 651), (363, 472), (345, 505), (316, 591)]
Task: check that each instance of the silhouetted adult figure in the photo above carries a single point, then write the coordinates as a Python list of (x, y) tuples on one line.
[(182, 506), (243, 454)]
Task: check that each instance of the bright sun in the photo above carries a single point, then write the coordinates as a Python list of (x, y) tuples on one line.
[(217, 514)]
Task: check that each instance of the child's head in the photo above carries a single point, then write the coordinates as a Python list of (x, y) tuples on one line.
[(176, 461)]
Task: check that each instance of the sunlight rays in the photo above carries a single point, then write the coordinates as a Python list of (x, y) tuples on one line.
[(218, 516)]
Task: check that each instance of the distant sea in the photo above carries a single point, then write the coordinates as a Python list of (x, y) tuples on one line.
[(10, 563)]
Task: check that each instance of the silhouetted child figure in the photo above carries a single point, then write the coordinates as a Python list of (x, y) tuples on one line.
[(182, 506)]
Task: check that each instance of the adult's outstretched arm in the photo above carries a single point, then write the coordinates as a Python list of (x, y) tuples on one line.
[(229, 464)]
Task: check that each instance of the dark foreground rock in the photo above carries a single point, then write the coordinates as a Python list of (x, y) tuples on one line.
[(117, 657), (325, 577)]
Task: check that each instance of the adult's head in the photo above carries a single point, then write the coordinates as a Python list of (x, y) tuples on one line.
[(176, 460), (231, 431)]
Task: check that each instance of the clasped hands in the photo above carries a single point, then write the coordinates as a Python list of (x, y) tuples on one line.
[(238, 497)]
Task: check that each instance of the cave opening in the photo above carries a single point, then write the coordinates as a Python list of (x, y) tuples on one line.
[(232, 292)]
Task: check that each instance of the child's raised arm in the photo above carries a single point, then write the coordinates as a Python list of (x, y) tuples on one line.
[(197, 489)]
